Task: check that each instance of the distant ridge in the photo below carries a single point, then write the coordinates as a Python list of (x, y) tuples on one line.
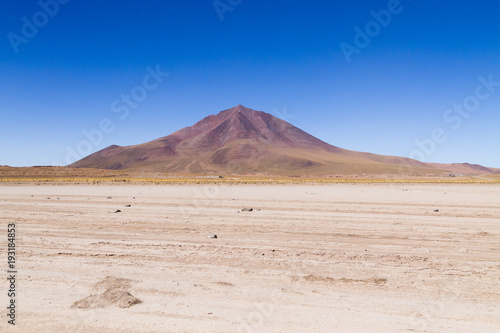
[(465, 168), (240, 140)]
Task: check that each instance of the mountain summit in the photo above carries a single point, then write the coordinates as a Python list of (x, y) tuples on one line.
[(242, 140), (241, 123)]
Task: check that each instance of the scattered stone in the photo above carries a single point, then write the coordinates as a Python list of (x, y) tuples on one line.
[(48, 198), (128, 205), (247, 209), (436, 210), (225, 284), (212, 236), (114, 211), (108, 198)]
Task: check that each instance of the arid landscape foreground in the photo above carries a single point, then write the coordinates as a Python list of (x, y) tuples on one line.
[(307, 258)]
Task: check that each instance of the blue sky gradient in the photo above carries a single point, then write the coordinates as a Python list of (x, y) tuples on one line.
[(281, 57)]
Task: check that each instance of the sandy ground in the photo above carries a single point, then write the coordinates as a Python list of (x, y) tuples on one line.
[(309, 258)]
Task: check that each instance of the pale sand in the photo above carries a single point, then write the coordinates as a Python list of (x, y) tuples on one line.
[(314, 258)]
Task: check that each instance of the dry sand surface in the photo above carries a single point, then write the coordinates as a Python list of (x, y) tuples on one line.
[(308, 258)]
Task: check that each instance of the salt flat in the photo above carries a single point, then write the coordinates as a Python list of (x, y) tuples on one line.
[(308, 258)]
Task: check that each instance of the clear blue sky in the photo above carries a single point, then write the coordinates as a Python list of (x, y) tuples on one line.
[(281, 57)]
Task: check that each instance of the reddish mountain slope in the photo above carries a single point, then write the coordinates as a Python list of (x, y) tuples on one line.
[(242, 140)]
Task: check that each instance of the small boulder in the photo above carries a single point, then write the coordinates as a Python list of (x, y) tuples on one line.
[(247, 209), (212, 236)]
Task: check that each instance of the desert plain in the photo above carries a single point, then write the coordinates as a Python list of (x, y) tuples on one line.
[(307, 258)]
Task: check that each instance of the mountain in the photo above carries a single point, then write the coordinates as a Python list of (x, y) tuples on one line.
[(465, 168), (240, 140)]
